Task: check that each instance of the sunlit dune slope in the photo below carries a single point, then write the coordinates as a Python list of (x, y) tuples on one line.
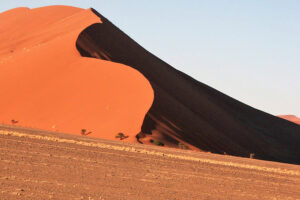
[(291, 118), (45, 83), (190, 112)]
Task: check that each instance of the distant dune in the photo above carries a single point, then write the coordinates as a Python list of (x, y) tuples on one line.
[(69, 69), (291, 118)]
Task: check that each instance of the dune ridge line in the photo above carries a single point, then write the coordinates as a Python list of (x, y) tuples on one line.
[(155, 153)]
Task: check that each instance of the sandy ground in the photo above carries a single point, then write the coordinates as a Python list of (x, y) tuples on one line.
[(43, 165)]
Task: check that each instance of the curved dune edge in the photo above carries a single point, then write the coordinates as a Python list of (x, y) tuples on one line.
[(150, 152), (189, 112), (48, 85)]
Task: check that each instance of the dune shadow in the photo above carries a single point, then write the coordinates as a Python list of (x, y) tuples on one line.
[(191, 111)]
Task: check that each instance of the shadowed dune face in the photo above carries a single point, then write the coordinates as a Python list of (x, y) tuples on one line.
[(46, 84), (192, 112), (291, 118)]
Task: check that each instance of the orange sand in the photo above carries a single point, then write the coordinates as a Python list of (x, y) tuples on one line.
[(46, 84), (291, 118)]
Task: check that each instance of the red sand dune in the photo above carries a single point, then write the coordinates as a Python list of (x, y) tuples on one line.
[(46, 84), (291, 118), (190, 112)]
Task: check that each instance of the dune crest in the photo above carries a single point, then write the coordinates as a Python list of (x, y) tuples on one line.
[(46, 84)]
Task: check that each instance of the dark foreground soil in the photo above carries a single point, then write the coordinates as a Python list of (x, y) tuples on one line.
[(43, 165)]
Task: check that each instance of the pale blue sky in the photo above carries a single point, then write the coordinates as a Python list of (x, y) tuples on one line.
[(247, 49)]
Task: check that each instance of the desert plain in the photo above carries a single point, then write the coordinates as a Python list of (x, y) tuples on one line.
[(37, 164)]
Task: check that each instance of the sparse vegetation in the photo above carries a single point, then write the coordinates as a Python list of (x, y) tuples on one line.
[(84, 132), (182, 146), (14, 121), (121, 136), (156, 142), (139, 136)]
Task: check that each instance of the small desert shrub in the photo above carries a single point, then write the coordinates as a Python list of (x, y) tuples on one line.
[(121, 136), (83, 132), (156, 142), (14, 121), (182, 146), (252, 155)]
